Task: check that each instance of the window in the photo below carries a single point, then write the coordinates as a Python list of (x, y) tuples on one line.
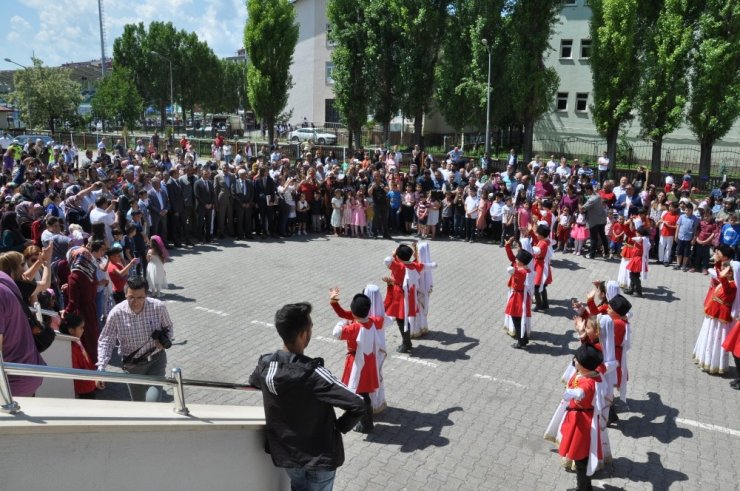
[(329, 73), (329, 42), (562, 101), (566, 48), (585, 48), (582, 101)]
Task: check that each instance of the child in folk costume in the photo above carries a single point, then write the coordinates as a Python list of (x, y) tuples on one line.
[(732, 346), (719, 308), (576, 421), (377, 398), (518, 312), (542, 252), (579, 232), (359, 330), (426, 284), (156, 256), (615, 340), (638, 263), (605, 292), (403, 285), (628, 250)]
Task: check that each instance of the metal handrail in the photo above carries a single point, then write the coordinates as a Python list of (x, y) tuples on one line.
[(176, 381)]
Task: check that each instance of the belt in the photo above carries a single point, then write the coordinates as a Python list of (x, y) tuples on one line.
[(350, 353), (720, 301), (517, 291), (580, 410)]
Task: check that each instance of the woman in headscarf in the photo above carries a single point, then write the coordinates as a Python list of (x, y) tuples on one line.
[(12, 239), (24, 217), (81, 294)]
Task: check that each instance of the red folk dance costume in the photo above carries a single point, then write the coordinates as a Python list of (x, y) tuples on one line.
[(732, 341), (542, 269), (360, 367), (628, 250), (719, 309), (519, 304), (576, 431), (400, 299)]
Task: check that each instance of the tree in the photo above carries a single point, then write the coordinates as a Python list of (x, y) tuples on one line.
[(422, 25), (270, 37), (715, 77), (117, 98), (351, 91), (661, 97), (128, 52), (383, 38), (531, 85), (613, 67), (45, 95)]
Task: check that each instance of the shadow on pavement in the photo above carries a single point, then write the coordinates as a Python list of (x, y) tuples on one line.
[(562, 263), (652, 408), (651, 472), (661, 294), (557, 344), (176, 297), (446, 339), (412, 430)]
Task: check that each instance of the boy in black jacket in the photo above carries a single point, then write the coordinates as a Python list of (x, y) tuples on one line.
[(299, 396)]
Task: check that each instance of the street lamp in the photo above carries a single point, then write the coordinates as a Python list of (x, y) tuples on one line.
[(8, 60), (172, 97), (488, 99)]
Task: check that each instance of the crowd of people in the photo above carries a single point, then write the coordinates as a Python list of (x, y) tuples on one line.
[(89, 236)]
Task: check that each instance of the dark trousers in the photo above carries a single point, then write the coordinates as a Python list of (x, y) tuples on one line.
[(380, 221), (497, 230), (203, 224), (266, 218), (508, 231), (635, 283), (176, 227), (159, 226), (243, 220), (583, 482), (189, 223), (540, 297), (701, 256), (737, 367), (366, 422), (405, 335), (522, 339), (598, 238), (469, 228), (394, 221)]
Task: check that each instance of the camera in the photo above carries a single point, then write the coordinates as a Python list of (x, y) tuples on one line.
[(162, 335)]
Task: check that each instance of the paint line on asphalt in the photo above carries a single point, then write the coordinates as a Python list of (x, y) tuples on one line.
[(501, 380), (266, 324), (415, 360), (327, 340), (707, 426), (212, 311)]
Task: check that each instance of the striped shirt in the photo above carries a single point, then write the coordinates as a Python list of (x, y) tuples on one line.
[(132, 331)]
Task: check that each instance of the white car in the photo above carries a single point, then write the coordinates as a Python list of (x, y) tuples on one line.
[(305, 134)]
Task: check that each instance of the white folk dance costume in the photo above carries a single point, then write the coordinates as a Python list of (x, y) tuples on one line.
[(720, 307), (509, 328), (377, 398), (426, 284)]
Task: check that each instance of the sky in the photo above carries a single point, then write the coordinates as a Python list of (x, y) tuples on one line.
[(61, 31)]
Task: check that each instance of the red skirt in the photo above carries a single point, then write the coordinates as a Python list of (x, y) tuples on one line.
[(732, 341), (515, 306), (576, 435), (393, 302), (369, 376)]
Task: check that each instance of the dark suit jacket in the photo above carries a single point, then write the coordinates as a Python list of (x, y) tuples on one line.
[(220, 186), (248, 196), (205, 194), (264, 190), (174, 193), (154, 206)]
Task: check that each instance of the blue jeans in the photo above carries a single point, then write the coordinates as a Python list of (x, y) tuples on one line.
[(306, 480)]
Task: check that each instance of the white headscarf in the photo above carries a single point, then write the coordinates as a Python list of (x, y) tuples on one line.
[(736, 277), (612, 289)]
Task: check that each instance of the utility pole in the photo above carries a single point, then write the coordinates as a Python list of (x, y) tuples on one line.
[(102, 38)]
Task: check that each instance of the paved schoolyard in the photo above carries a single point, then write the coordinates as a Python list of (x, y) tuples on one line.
[(465, 410)]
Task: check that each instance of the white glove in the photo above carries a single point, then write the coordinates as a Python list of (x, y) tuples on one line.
[(337, 332), (510, 270), (576, 394)]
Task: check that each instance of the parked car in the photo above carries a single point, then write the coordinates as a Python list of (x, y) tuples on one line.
[(320, 137), (22, 139)]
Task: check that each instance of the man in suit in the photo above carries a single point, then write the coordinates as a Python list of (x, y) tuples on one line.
[(187, 185), (159, 206), (266, 192), (177, 224), (205, 201), (223, 184), (243, 193)]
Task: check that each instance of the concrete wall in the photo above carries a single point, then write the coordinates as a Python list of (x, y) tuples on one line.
[(60, 444)]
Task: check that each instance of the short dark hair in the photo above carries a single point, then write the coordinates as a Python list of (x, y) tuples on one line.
[(96, 245), (360, 305), (726, 250), (293, 319), (101, 201), (70, 321), (137, 283), (51, 220)]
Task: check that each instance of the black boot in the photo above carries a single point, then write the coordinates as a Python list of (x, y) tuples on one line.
[(583, 482), (545, 303), (613, 418), (366, 423), (537, 299), (405, 346)]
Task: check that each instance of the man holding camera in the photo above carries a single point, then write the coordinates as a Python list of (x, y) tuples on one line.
[(143, 329)]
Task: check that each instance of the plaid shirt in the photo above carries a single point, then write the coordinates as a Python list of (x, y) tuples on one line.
[(133, 331)]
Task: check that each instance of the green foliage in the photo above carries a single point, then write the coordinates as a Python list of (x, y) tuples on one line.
[(270, 37), (715, 76), (351, 90), (45, 95), (117, 98), (661, 97), (613, 63)]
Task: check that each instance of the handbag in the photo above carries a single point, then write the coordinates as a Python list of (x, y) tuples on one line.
[(43, 334)]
